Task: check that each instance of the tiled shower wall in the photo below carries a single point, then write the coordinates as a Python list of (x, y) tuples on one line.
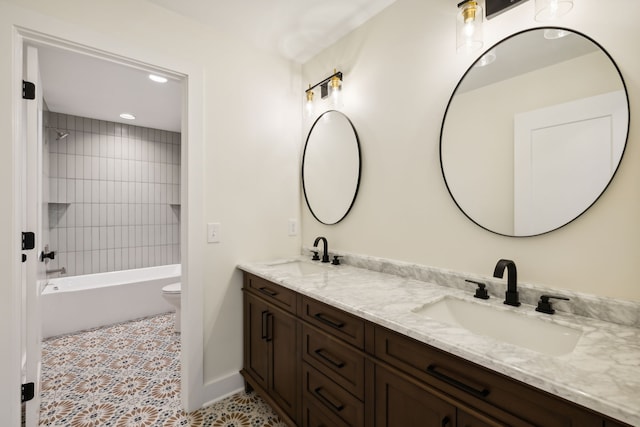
[(114, 195)]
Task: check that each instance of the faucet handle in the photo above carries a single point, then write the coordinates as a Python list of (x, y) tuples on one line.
[(315, 257), (336, 259), (544, 305), (481, 292)]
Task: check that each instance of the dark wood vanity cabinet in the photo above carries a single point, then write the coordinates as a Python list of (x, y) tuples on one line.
[(271, 356), (495, 399), (322, 367)]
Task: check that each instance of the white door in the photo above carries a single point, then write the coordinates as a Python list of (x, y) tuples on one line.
[(34, 273), (564, 157)]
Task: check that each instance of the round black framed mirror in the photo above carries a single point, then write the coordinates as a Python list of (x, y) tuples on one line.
[(331, 167), (534, 132)]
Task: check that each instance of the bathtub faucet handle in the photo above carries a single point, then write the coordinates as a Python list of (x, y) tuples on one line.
[(51, 255), (59, 270)]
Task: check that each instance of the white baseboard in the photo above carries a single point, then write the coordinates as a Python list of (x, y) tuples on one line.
[(221, 388)]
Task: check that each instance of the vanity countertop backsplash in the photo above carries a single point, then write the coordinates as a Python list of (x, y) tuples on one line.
[(601, 373)]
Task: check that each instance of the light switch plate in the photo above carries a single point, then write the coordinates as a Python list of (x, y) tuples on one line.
[(292, 227), (213, 232)]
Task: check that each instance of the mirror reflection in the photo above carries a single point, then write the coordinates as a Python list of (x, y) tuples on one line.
[(331, 167), (534, 132)]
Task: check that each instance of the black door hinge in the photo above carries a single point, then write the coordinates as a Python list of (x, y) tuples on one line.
[(28, 90), (27, 392), (24, 258), (28, 240)]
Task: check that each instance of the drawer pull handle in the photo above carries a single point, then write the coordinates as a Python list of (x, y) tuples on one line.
[(326, 356), (327, 321), (336, 406), (264, 325), (269, 336), (268, 291), (431, 369)]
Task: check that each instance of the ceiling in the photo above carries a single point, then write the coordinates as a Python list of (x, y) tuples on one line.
[(528, 51), (86, 86), (82, 85), (294, 29)]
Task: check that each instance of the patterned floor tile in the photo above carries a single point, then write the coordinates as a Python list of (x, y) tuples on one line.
[(128, 375)]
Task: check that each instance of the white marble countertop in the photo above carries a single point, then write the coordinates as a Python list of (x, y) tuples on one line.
[(602, 373)]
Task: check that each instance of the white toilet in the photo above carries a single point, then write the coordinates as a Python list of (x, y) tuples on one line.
[(171, 293)]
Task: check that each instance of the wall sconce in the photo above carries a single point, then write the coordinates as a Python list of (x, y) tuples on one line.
[(329, 87), (469, 18), (469, 27), (550, 10)]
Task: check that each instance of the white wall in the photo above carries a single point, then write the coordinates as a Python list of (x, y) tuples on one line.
[(399, 71), (250, 149)]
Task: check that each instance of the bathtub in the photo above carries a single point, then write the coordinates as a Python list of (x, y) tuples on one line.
[(72, 304)]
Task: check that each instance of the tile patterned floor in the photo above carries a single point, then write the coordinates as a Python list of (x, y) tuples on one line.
[(128, 375)]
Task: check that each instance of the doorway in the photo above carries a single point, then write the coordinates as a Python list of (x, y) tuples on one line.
[(190, 379)]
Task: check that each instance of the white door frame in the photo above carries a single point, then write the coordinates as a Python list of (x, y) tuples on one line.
[(192, 148)]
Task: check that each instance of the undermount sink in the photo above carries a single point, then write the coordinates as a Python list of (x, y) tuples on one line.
[(301, 268), (504, 325)]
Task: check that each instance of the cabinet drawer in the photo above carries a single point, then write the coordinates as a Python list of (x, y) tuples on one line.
[(340, 362), (312, 416), (278, 295), (477, 386), (330, 397), (334, 321)]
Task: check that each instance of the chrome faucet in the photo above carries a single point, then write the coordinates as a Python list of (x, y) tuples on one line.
[(511, 296), (325, 255)]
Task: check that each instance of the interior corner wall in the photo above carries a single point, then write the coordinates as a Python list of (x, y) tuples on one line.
[(400, 69), (251, 127)]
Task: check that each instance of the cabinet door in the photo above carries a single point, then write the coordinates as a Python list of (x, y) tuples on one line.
[(256, 347), (284, 359), (402, 403)]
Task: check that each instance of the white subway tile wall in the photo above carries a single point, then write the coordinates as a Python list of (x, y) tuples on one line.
[(114, 195)]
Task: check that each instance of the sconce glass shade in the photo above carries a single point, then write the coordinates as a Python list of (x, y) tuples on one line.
[(550, 10), (335, 91), (469, 27), (308, 105)]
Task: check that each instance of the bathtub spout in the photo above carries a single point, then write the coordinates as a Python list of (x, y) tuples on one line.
[(59, 270)]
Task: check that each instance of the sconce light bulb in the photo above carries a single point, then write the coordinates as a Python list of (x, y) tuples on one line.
[(335, 91), (469, 26), (308, 105), (469, 29)]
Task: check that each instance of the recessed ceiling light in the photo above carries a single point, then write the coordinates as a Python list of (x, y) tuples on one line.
[(157, 79), (486, 59), (128, 116)]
